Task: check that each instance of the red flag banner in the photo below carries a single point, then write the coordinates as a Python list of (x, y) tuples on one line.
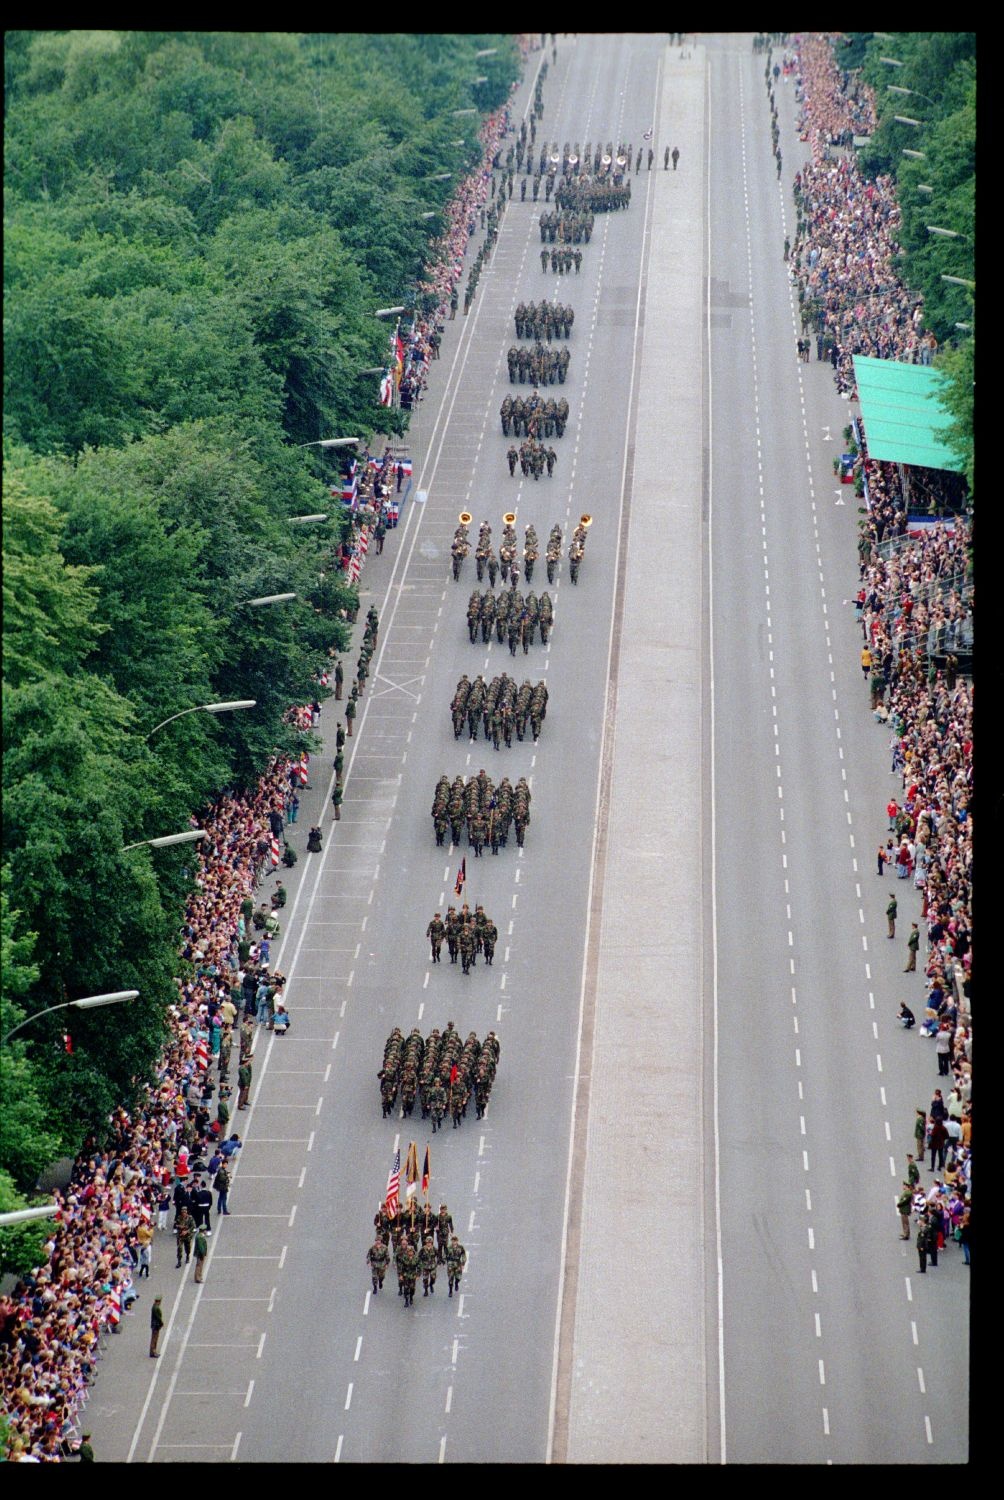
[(454, 1074), (461, 876), (393, 1200)]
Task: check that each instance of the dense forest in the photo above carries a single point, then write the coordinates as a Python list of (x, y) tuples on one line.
[(199, 229), (928, 79)]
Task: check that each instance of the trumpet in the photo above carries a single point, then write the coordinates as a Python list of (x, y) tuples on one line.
[(585, 520), (465, 518), (510, 518)]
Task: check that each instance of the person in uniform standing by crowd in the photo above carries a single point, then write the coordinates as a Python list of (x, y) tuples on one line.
[(156, 1324)]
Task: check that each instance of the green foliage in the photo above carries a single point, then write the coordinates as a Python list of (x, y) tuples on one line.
[(21, 1245), (199, 226), (959, 365), (939, 71)]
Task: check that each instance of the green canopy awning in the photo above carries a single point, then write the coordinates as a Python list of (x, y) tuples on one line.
[(903, 417)]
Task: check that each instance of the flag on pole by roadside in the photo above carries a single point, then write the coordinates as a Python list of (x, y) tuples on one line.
[(411, 1171), (461, 876), (386, 390), (425, 1175), (393, 1198)]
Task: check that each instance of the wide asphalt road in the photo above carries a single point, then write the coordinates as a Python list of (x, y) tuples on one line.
[(834, 1348)]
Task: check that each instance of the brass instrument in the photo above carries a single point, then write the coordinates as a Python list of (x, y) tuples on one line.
[(585, 520), (510, 517), (465, 518)]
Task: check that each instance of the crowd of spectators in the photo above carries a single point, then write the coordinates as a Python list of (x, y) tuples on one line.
[(914, 605), (56, 1320), (846, 241)]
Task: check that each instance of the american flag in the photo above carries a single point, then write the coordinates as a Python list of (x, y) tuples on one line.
[(394, 1187)]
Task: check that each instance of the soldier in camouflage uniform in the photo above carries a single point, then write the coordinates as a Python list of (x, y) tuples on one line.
[(435, 932), (378, 1259), (452, 925), (427, 1263), (456, 1259), (444, 1228), (513, 457)]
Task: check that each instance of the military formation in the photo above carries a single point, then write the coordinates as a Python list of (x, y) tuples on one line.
[(486, 811), (533, 417), (549, 320), (567, 229), (422, 1241), (512, 617), (500, 707), (440, 1071), (537, 364), (467, 934)]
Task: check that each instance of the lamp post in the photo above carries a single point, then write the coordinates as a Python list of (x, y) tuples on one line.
[(89, 1002), (958, 281), (908, 120), (486, 52), (265, 599), (387, 312), (891, 62), (25, 1215), (469, 111), (331, 442), (896, 88), (307, 520), (208, 708), (190, 837), (948, 234), (915, 155)]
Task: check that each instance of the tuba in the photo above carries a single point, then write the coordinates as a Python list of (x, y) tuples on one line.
[(510, 517), (585, 520), (465, 518)]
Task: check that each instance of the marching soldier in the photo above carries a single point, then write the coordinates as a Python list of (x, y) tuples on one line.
[(512, 456), (444, 1228), (676, 156), (489, 937), (378, 1258), (456, 1260), (665, 161), (552, 459), (383, 1224), (468, 955), (435, 932), (427, 1262), (543, 253), (437, 1105), (452, 925), (184, 1229)]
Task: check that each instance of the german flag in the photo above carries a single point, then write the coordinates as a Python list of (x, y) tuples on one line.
[(461, 877)]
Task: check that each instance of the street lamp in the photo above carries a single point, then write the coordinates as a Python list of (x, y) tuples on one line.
[(25, 1215), (440, 177), (269, 599), (206, 708), (307, 520), (891, 62), (432, 214), (190, 837), (896, 88), (915, 155), (486, 52), (89, 1002), (908, 120), (924, 187), (372, 370), (330, 442), (958, 281), (470, 111), (385, 312), (482, 79), (948, 234)]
